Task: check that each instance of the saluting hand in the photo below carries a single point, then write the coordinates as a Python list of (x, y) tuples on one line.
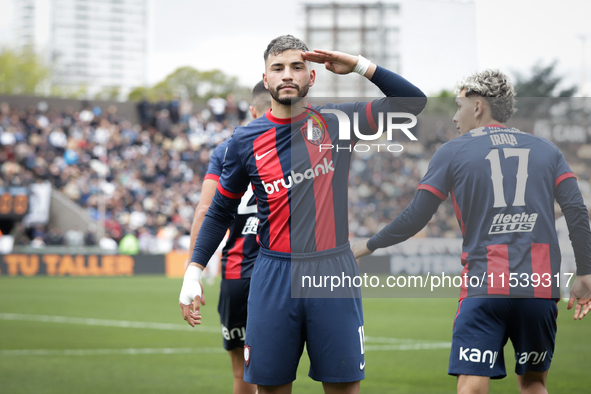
[(336, 62)]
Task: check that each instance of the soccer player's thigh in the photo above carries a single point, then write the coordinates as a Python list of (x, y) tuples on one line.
[(274, 330), (335, 333), (479, 335), (232, 307), (533, 333)]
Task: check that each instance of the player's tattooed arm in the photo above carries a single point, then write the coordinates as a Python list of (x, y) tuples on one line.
[(337, 62)]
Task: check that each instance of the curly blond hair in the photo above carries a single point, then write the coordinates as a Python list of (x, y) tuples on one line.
[(496, 88)]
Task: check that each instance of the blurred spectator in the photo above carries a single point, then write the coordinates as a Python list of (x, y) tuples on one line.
[(243, 107), (217, 105), (174, 110), (143, 109), (108, 243), (89, 236), (37, 242), (55, 237), (129, 244), (231, 110), (74, 237)]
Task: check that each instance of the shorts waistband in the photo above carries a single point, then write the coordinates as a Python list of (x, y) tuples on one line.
[(306, 256)]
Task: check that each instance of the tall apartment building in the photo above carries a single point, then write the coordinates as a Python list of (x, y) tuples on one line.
[(405, 36), (94, 43)]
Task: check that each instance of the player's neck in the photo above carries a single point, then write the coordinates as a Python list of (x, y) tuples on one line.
[(288, 111)]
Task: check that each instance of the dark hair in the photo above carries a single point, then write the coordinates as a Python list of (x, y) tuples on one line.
[(261, 98), (284, 43), (258, 89)]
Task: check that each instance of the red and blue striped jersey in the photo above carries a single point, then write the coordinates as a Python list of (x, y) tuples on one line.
[(301, 190), (241, 249), (502, 183)]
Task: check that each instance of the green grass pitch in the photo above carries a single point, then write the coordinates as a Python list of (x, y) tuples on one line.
[(405, 340)]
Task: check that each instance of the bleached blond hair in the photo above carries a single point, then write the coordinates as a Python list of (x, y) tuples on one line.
[(496, 88)]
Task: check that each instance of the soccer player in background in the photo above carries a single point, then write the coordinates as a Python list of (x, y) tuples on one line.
[(503, 183), (238, 255), (302, 204)]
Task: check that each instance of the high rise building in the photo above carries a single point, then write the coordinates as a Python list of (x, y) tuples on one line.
[(404, 36), (99, 44)]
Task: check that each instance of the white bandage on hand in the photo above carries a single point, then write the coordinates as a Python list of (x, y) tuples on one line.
[(191, 287), (361, 66)]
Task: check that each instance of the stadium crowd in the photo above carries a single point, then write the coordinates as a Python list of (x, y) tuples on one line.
[(153, 170)]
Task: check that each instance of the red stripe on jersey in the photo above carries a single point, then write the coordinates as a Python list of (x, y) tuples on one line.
[(463, 288), (324, 230), (498, 267), (271, 173), (496, 125), (564, 176), (224, 192), (458, 312), (234, 261), (424, 186), (458, 212), (212, 176), (369, 116), (540, 264)]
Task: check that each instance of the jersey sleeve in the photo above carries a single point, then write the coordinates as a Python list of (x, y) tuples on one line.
[(563, 170), (214, 169), (438, 179), (402, 97), (234, 178)]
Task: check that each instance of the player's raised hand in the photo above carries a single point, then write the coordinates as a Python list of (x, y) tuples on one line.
[(360, 249), (337, 62), (190, 297), (581, 291)]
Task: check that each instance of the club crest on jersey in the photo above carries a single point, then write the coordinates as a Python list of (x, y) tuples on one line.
[(246, 355), (315, 128)]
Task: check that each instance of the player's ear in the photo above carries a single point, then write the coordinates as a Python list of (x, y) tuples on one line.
[(253, 112), (478, 108), (265, 81), (312, 77)]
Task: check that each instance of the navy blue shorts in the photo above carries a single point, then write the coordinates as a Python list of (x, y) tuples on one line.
[(483, 325), (232, 307), (279, 325)]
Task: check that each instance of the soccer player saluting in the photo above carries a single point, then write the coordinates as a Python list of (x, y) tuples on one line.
[(503, 183), (302, 204), (238, 255)]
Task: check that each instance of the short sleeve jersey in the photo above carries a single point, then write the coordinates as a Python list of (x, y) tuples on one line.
[(502, 183)]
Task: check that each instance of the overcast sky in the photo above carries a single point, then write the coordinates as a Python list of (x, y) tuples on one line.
[(231, 35)]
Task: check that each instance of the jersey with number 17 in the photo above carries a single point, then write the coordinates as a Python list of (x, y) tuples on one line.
[(502, 182)]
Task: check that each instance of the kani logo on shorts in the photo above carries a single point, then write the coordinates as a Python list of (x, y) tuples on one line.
[(234, 333), (296, 177), (476, 356), (518, 223), (535, 357)]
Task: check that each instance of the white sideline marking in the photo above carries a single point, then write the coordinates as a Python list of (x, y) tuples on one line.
[(393, 344), (108, 352), (183, 350), (107, 323)]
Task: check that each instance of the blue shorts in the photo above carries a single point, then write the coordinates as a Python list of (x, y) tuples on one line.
[(279, 325), (483, 325), (233, 312)]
